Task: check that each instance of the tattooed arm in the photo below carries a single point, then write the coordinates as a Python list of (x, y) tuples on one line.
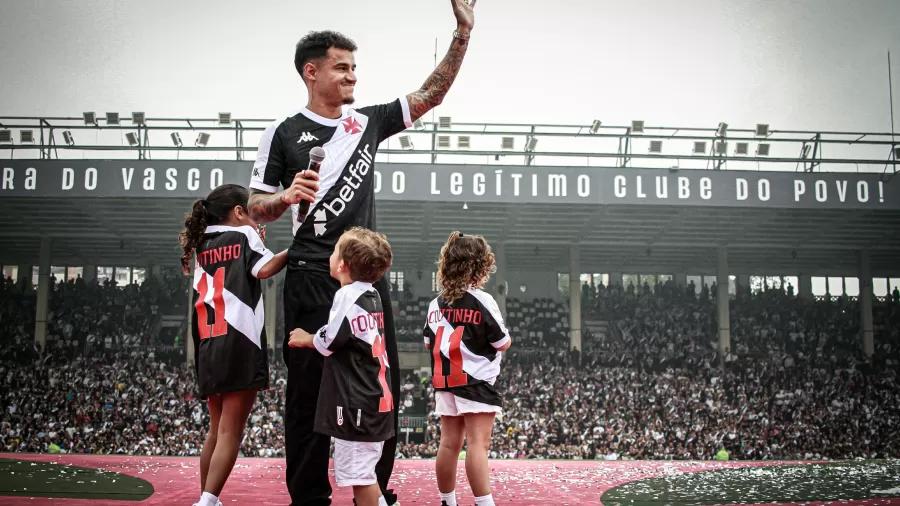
[(265, 207), (438, 83)]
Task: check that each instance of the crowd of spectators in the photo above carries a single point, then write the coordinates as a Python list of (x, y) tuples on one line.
[(651, 386)]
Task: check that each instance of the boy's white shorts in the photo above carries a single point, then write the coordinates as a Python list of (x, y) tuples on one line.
[(449, 404), (354, 462)]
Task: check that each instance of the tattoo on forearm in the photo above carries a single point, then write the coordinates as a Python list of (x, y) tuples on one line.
[(438, 83), (266, 207)]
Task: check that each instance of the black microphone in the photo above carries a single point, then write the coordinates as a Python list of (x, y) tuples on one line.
[(316, 157)]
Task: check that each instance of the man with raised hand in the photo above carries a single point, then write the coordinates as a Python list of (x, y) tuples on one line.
[(341, 196)]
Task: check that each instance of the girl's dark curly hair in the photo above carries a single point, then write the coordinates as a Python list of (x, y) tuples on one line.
[(465, 261), (209, 211)]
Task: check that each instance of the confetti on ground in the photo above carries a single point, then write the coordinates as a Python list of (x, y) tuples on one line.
[(260, 482), (25, 478), (839, 481)]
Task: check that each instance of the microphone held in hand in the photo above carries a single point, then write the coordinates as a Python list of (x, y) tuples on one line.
[(316, 157)]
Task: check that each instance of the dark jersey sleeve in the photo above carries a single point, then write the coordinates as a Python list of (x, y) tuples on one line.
[(268, 169), (496, 334), (428, 335), (391, 118), (327, 340)]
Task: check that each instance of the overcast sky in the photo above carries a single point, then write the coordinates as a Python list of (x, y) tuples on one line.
[(805, 64)]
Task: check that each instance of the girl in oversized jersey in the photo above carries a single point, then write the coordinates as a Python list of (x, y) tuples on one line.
[(228, 323), (465, 333)]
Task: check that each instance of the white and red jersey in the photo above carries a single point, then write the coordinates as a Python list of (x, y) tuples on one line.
[(463, 338), (355, 400), (228, 324)]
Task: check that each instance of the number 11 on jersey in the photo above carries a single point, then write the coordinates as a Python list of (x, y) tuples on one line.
[(457, 376), (220, 326)]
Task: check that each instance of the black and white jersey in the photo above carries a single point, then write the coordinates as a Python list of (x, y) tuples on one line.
[(355, 400), (463, 338), (228, 318), (346, 195)]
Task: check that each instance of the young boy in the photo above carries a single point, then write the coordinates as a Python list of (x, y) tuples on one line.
[(355, 404)]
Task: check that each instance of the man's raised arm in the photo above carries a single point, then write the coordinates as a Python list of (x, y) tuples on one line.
[(265, 207), (438, 83)]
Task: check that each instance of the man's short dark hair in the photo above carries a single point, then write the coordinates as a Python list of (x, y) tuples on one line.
[(316, 44)]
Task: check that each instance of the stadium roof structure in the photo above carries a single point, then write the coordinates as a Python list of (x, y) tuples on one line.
[(792, 209)]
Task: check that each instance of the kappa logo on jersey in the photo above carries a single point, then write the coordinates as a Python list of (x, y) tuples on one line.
[(351, 126), (306, 137), (256, 172), (352, 182), (340, 415)]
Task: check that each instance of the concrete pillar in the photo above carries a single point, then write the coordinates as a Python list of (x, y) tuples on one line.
[(24, 274), (680, 279), (615, 279), (90, 273), (804, 291), (743, 282), (574, 298), (502, 290), (43, 294), (722, 302), (270, 300), (865, 303)]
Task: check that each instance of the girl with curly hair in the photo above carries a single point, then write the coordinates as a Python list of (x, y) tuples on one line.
[(466, 336)]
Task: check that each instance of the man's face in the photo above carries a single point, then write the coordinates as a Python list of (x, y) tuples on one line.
[(334, 76)]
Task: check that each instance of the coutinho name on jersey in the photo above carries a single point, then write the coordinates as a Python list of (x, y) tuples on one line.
[(365, 322), (219, 255), (453, 315)]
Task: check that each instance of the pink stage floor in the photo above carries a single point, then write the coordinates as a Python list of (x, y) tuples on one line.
[(260, 481)]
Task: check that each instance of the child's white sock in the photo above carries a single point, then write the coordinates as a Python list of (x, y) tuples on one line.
[(485, 500), (449, 498), (207, 499), (382, 501)]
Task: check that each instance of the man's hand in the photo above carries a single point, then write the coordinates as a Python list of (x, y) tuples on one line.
[(304, 187), (465, 14), (300, 339), (266, 207), (435, 87)]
